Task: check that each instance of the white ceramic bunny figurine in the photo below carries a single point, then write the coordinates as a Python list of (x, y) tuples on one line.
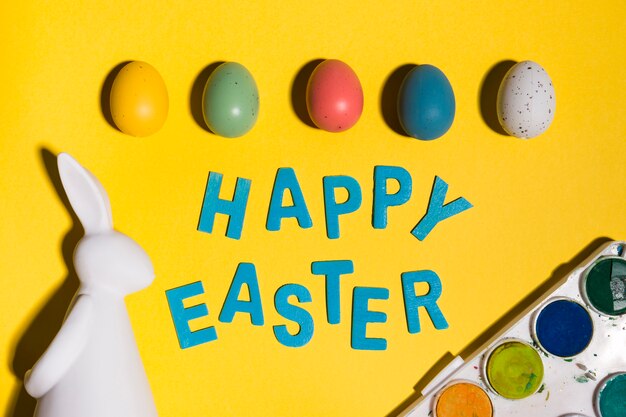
[(92, 368)]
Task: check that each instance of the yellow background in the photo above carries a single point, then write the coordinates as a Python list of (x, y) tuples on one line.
[(538, 203)]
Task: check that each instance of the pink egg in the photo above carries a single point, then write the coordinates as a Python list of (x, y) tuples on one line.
[(334, 96)]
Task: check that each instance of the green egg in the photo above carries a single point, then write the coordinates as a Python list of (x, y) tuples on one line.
[(230, 102)]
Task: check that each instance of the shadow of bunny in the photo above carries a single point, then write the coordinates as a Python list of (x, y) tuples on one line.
[(46, 323)]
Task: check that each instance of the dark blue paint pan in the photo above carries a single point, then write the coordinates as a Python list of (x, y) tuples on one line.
[(563, 328)]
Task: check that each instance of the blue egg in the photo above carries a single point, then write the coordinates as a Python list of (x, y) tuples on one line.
[(426, 103)]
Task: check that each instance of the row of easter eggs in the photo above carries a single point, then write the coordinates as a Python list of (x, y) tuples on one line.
[(334, 98)]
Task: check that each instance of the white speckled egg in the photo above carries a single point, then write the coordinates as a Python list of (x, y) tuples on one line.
[(526, 100)]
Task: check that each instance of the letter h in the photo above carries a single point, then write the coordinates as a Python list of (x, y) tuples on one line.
[(235, 209)]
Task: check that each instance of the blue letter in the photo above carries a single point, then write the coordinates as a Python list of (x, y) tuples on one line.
[(382, 200), (437, 211), (245, 274), (286, 180), (428, 300), (293, 313), (235, 209), (333, 270), (361, 315), (182, 315), (333, 210)]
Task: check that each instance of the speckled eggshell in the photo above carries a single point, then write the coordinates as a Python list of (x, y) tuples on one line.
[(334, 96), (526, 100), (230, 103)]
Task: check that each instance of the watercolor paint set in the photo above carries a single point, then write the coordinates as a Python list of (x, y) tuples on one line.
[(563, 356)]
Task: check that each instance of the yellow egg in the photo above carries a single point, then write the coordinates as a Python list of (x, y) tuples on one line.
[(139, 101)]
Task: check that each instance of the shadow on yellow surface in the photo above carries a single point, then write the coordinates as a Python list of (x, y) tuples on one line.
[(105, 107), (488, 95), (197, 92), (47, 322), (298, 91), (389, 97)]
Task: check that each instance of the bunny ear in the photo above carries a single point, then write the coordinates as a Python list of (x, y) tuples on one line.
[(86, 195)]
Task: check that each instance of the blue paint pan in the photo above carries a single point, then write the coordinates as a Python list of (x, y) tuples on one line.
[(563, 328)]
